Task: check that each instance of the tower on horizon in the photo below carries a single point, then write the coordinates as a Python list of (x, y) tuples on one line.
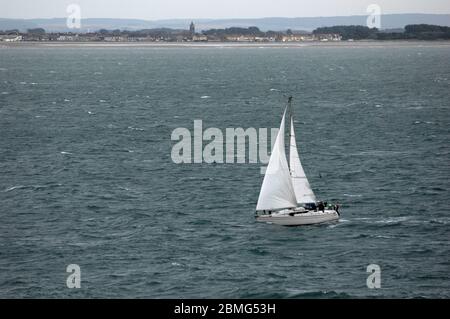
[(192, 28)]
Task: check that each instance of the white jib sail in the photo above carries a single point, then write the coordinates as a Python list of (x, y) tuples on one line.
[(303, 191), (277, 191)]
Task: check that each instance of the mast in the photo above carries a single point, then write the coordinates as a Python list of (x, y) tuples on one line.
[(291, 128), (303, 192)]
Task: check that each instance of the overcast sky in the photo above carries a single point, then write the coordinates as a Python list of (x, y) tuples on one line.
[(195, 9)]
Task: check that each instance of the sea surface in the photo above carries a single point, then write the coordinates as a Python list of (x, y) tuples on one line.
[(87, 177)]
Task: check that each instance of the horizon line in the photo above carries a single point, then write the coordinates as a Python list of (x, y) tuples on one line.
[(241, 18)]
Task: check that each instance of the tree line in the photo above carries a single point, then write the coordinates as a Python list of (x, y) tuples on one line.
[(411, 32), (355, 32)]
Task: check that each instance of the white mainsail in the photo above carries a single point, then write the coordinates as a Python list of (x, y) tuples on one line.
[(277, 191), (303, 191)]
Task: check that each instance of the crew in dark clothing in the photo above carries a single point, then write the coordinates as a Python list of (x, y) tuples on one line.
[(321, 207)]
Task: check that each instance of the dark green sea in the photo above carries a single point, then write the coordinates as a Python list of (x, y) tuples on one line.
[(86, 175)]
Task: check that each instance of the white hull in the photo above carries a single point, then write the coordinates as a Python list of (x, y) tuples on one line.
[(285, 219)]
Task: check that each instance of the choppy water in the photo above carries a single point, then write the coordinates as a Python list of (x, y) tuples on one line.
[(86, 175)]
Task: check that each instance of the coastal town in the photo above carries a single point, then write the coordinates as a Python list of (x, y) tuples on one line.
[(232, 34), (251, 34)]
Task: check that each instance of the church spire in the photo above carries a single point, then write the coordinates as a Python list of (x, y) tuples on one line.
[(192, 28)]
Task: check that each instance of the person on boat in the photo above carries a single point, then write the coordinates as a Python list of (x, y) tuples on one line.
[(311, 206), (321, 207), (336, 207)]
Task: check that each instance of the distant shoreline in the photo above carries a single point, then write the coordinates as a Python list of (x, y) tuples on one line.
[(343, 44)]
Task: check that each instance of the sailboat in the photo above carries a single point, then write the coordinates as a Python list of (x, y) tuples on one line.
[(286, 197)]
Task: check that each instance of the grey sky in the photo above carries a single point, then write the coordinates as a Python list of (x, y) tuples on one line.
[(170, 9)]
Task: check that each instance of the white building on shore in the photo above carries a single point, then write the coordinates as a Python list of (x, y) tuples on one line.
[(11, 38)]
